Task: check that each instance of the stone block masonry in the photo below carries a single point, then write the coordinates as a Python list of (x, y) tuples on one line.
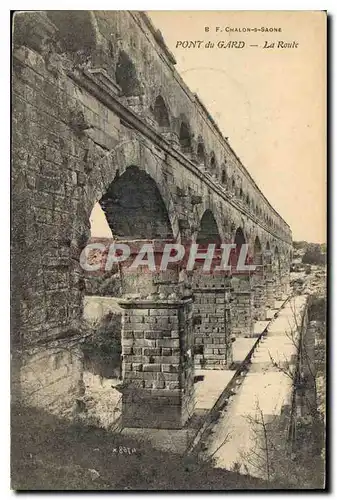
[(259, 313), (242, 306), (258, 285), (100, 114), (50, 377), (212, 322), (157, 363)]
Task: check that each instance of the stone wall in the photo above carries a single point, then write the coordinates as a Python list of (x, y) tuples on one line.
[(242, 306), (51, 378)]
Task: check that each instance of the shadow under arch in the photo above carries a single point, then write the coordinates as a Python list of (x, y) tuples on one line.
[(185, 137), (134, 207), (239, 237), (126, 75), (114, 164), (160, 112), (208, 231), (268, 257), (201, 153)]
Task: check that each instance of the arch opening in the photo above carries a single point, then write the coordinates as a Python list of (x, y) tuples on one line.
[(208, 232), (212, 164), (160, 112), (239, 238), (201, 154), (268, 254), (134, 208), (185, 138), (126, 75), (223, 176), (258, 258)]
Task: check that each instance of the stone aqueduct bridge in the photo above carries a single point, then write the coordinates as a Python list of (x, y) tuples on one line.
[(101, 114)]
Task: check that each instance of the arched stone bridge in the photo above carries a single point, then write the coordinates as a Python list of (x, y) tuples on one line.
[(101, 115)]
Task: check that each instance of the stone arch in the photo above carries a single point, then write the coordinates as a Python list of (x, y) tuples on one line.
[(212, 163), (239, 237), (233, 186), (134, 208), (268, 254), (208, 230), (201, 156), (221, 218), (185, 137), (126, 75), (131, 152), (160, 112), (224, 177), (77, 29)]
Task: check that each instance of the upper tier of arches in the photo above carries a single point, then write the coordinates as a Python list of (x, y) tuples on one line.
[(133, 54)]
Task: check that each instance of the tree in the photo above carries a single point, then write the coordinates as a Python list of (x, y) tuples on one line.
[(298, 245), (313, 255)]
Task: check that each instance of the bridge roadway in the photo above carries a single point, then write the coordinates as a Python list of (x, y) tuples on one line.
[(264, 388)]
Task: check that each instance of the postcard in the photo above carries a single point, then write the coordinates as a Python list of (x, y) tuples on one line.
[(168, 253)]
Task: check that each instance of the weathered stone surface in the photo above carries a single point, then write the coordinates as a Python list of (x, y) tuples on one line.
[(212, 321), (115, 125)]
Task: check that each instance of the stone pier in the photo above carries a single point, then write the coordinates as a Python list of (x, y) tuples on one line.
[(260, 296), (157, 349), (212, 322), (242, 306), (157, 363)]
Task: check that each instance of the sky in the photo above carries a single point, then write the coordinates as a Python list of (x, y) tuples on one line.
[(270, 102)]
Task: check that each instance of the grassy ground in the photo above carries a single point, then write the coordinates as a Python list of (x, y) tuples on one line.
[(50, 454)]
